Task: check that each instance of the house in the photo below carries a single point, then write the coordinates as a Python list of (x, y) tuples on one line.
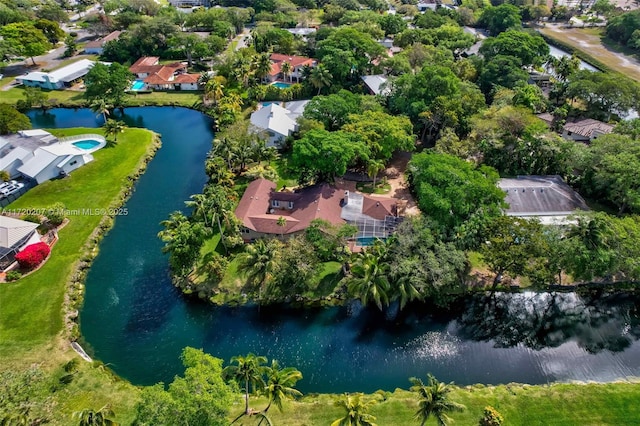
[(297, 65), (189, 3), (585, 130), (96, 47), (277, 121), (377, 84), (164, 77), (40, 156), (60, 78), (547, 198), (301, 32), (15, 235), (265, 212)]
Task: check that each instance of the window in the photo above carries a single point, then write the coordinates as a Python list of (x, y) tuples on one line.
[(73, 163), (275, 203), (245, 230), (290, 205)]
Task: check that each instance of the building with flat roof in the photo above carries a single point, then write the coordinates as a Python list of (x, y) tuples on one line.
[(60, 78)]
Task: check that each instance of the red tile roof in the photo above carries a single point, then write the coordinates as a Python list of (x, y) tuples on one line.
[(146, 64), (315, 202), (296, 61), (378, 207), (101, 41)]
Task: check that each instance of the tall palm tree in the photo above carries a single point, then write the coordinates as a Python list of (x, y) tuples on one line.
[(320, 77), (248, 372), (280, 384), (259, 261), (214, 90), (369, 278), (433, 399), (282, 223), (262, 66), (101, 107), (286, 70), (112, 128), (102, 417), (356, 411), (373, 168)]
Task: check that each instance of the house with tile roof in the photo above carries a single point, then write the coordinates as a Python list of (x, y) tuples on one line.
[(297, 65), (164, 77), (262, 209), (585, 130), (15, 235)]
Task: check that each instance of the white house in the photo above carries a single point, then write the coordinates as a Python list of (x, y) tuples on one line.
[(15, 235), (276, 121), (60, 78), (38, 155), (164, 77), (377, 84)]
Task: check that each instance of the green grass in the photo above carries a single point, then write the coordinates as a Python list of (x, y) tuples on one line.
[(31, 308), (367, 187), (558, 404), (73, 98)]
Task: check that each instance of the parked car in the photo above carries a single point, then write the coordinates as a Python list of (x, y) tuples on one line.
[(11, 189), (7, 183)]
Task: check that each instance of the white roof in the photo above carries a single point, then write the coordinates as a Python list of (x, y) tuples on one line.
[(34, 133), (18, 153), (64, 148), (374, 82), (13, 230), (295, 108), (274, 118), (64, 74), (41, 159)]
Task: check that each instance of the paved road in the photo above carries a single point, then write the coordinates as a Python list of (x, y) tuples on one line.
[(242, 39)]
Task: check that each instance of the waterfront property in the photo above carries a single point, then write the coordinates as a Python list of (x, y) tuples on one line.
[(547, 198), (279, 122), (163, 77), (265, 212), (297, 64), (39, 156), (60, 78), (96, 47), (585, 130), (15, 235)]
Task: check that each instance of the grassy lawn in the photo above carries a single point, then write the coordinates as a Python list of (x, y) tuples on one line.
[(589, 42), (367, 187), (73, 98), (30, 314), (559, 404)]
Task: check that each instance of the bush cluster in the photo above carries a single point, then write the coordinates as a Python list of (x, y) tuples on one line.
[(33, 255)]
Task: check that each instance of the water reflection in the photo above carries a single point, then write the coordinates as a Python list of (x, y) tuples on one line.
[(595, 322)]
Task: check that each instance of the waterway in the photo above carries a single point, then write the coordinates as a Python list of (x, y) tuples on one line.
[(136, 322)]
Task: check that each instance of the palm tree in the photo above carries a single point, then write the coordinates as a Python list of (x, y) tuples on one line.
[(112, 128), (373, 168), (434, 400), (102, 417), (369, 278), (248, 372), (214, 90), (259, 261), (356, 411), (101, 107), (280, 384), (286, 70), (320, 77), (404, 291), (282, 223), (262, 66)]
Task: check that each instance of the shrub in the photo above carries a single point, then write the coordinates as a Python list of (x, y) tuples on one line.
[(491, 417), (55, 214), (33, 255), (13, 276), (34, 218)]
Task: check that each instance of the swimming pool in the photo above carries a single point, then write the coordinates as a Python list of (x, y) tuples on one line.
[(367, 241), (137, 85), (87, 145), (281, 85)]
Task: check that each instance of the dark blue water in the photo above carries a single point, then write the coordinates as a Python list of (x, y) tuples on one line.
[(134, 320)]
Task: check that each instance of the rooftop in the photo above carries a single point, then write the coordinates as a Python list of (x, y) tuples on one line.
[(101, 41), (13, 230), (275, 118), (65, 74), (588, 127), (375, 82), (540, 196)]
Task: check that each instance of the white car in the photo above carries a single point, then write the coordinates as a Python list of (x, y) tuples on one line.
[(7, 183), (11, 189)]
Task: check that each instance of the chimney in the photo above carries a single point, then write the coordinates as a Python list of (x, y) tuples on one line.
[(346, 197)]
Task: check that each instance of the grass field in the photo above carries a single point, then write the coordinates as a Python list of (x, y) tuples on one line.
[(30, 314), (589, 42)]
